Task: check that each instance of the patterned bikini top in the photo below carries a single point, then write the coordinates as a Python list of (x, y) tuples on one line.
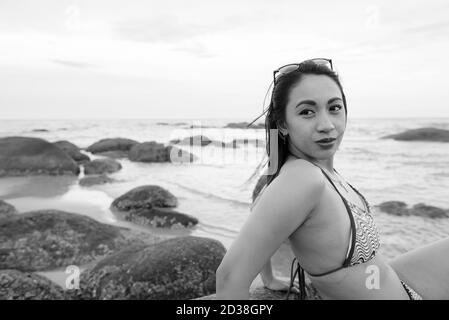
[(365, 240), (363, 244)]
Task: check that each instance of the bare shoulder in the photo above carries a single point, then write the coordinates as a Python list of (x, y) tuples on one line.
[(296, 191)]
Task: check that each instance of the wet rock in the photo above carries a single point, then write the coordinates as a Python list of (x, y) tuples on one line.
[(6, 210), (30, 156), (424, 210), (111, 144), (72, 150), (90, 181), (144, 197), (421, 134), (149, 152), (49, 239), (101, 166), (198, 140), (16, 285), (262, 293), (160, 218), (244, 125), (397, 208), (179, 268)]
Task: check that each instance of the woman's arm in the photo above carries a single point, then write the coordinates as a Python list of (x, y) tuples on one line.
[(284, 206)]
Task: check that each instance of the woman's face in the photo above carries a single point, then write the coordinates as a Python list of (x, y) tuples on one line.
[(315, 111)]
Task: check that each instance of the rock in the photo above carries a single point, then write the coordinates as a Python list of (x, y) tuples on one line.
[(144, 197), (244, 125), (72, 150), (259, 186), (199, 140), (160, 218), (29, 156), (101, 166), (6, 210), (179, 124), (119, 154), (397, 208), (262, 293), (421, 134), (39, 130), (179, 268), (49, 239), (90, 181), (16, 285), (113, 144), (149, 152), (178, 155), (424, 210), (162, 123)]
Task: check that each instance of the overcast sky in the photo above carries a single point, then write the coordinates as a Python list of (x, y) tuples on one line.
[(210, 59)]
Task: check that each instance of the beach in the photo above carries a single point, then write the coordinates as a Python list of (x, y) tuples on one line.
[(215, 189)]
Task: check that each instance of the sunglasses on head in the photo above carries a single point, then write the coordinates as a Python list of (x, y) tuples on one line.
[(288, 68)]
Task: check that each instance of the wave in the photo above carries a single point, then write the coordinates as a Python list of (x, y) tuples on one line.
[(212, 196)]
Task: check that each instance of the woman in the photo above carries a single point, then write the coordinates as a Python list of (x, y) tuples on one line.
[(328, 223)]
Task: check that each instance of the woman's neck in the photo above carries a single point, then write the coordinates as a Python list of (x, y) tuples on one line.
[(327, 164)]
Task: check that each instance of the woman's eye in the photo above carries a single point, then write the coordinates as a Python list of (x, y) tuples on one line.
[(306, 112), (337, 107)]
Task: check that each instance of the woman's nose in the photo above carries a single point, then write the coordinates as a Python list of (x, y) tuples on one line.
[(325, 123)]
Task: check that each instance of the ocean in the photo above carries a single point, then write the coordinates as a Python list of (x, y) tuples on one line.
[(215, 189)]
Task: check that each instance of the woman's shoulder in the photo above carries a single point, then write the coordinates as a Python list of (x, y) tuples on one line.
[(299, 183), (304, 170)]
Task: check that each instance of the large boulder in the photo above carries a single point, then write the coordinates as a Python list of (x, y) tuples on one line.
[(94, 180), (111, 144), (101, 166), (6, 210), (49, 239), (144, 197), (28, 156), (72, 150), (160, 218), (16, 285), (421, 134), (179, 268)]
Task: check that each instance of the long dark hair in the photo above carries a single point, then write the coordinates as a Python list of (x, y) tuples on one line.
[(276, 116)]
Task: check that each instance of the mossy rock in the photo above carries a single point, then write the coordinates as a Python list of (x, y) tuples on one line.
[(179, 268), (144, 197), (17, 285), (49, 239)]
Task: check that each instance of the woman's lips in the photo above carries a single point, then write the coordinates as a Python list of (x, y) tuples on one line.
[(326, 144)]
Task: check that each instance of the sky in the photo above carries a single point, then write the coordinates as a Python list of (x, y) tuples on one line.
[(208, 59)]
